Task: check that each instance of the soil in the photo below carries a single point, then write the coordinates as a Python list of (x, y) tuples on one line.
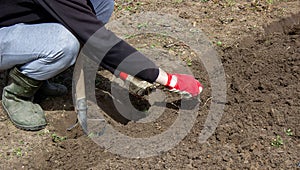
[(259, 45)]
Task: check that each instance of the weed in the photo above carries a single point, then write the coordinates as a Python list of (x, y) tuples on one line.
[(18, 152), (128, 5), (277, 141), (219, 43), (128, 36), (119, 8), (56, 138), (142, 25), (21, 142), (153, 45), (230, 3), (189, 62), (43, 132), (178, 1), (129, 8), (289, 132), (270, 2)]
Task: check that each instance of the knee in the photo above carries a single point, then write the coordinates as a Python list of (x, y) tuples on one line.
[(103, 9), (70, 50), (100, 4), (68, 47), (110, 4)]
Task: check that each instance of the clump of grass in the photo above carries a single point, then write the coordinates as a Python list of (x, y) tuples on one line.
[(128, 5), (178, 1), (230, 3), (56, 138), (142, 25), (219, 43), (277, 141), (43, 132), (289, 132), (189, 62), (18, 152), (270, 2)]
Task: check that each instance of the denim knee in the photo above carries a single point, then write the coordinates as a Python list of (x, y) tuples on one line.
[(62, 54), (103, 9), (68, 48)]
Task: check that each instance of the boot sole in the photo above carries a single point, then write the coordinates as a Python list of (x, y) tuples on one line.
[(36, 128)]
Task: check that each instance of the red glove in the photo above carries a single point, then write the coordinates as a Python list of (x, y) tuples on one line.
[(184, 84)]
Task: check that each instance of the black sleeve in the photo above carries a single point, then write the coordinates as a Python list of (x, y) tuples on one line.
[(78, 17)]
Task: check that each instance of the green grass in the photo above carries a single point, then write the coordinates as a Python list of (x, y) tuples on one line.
[(18, 151), (277, 142), (289, 132), (270, 2), (142, 25), (178, 1), (56, 138), (128, 5), (43, 132)]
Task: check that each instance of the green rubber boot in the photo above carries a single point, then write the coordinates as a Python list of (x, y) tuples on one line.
[(16, 100)]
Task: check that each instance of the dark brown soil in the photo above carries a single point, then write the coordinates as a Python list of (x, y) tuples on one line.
[(260, 53)]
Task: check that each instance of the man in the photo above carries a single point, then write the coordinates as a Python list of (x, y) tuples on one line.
[(41, 38)]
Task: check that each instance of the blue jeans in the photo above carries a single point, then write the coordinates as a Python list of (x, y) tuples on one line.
[(103, 9), (44, 50)]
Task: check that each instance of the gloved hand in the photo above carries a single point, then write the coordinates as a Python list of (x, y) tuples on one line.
[(184, 84)]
